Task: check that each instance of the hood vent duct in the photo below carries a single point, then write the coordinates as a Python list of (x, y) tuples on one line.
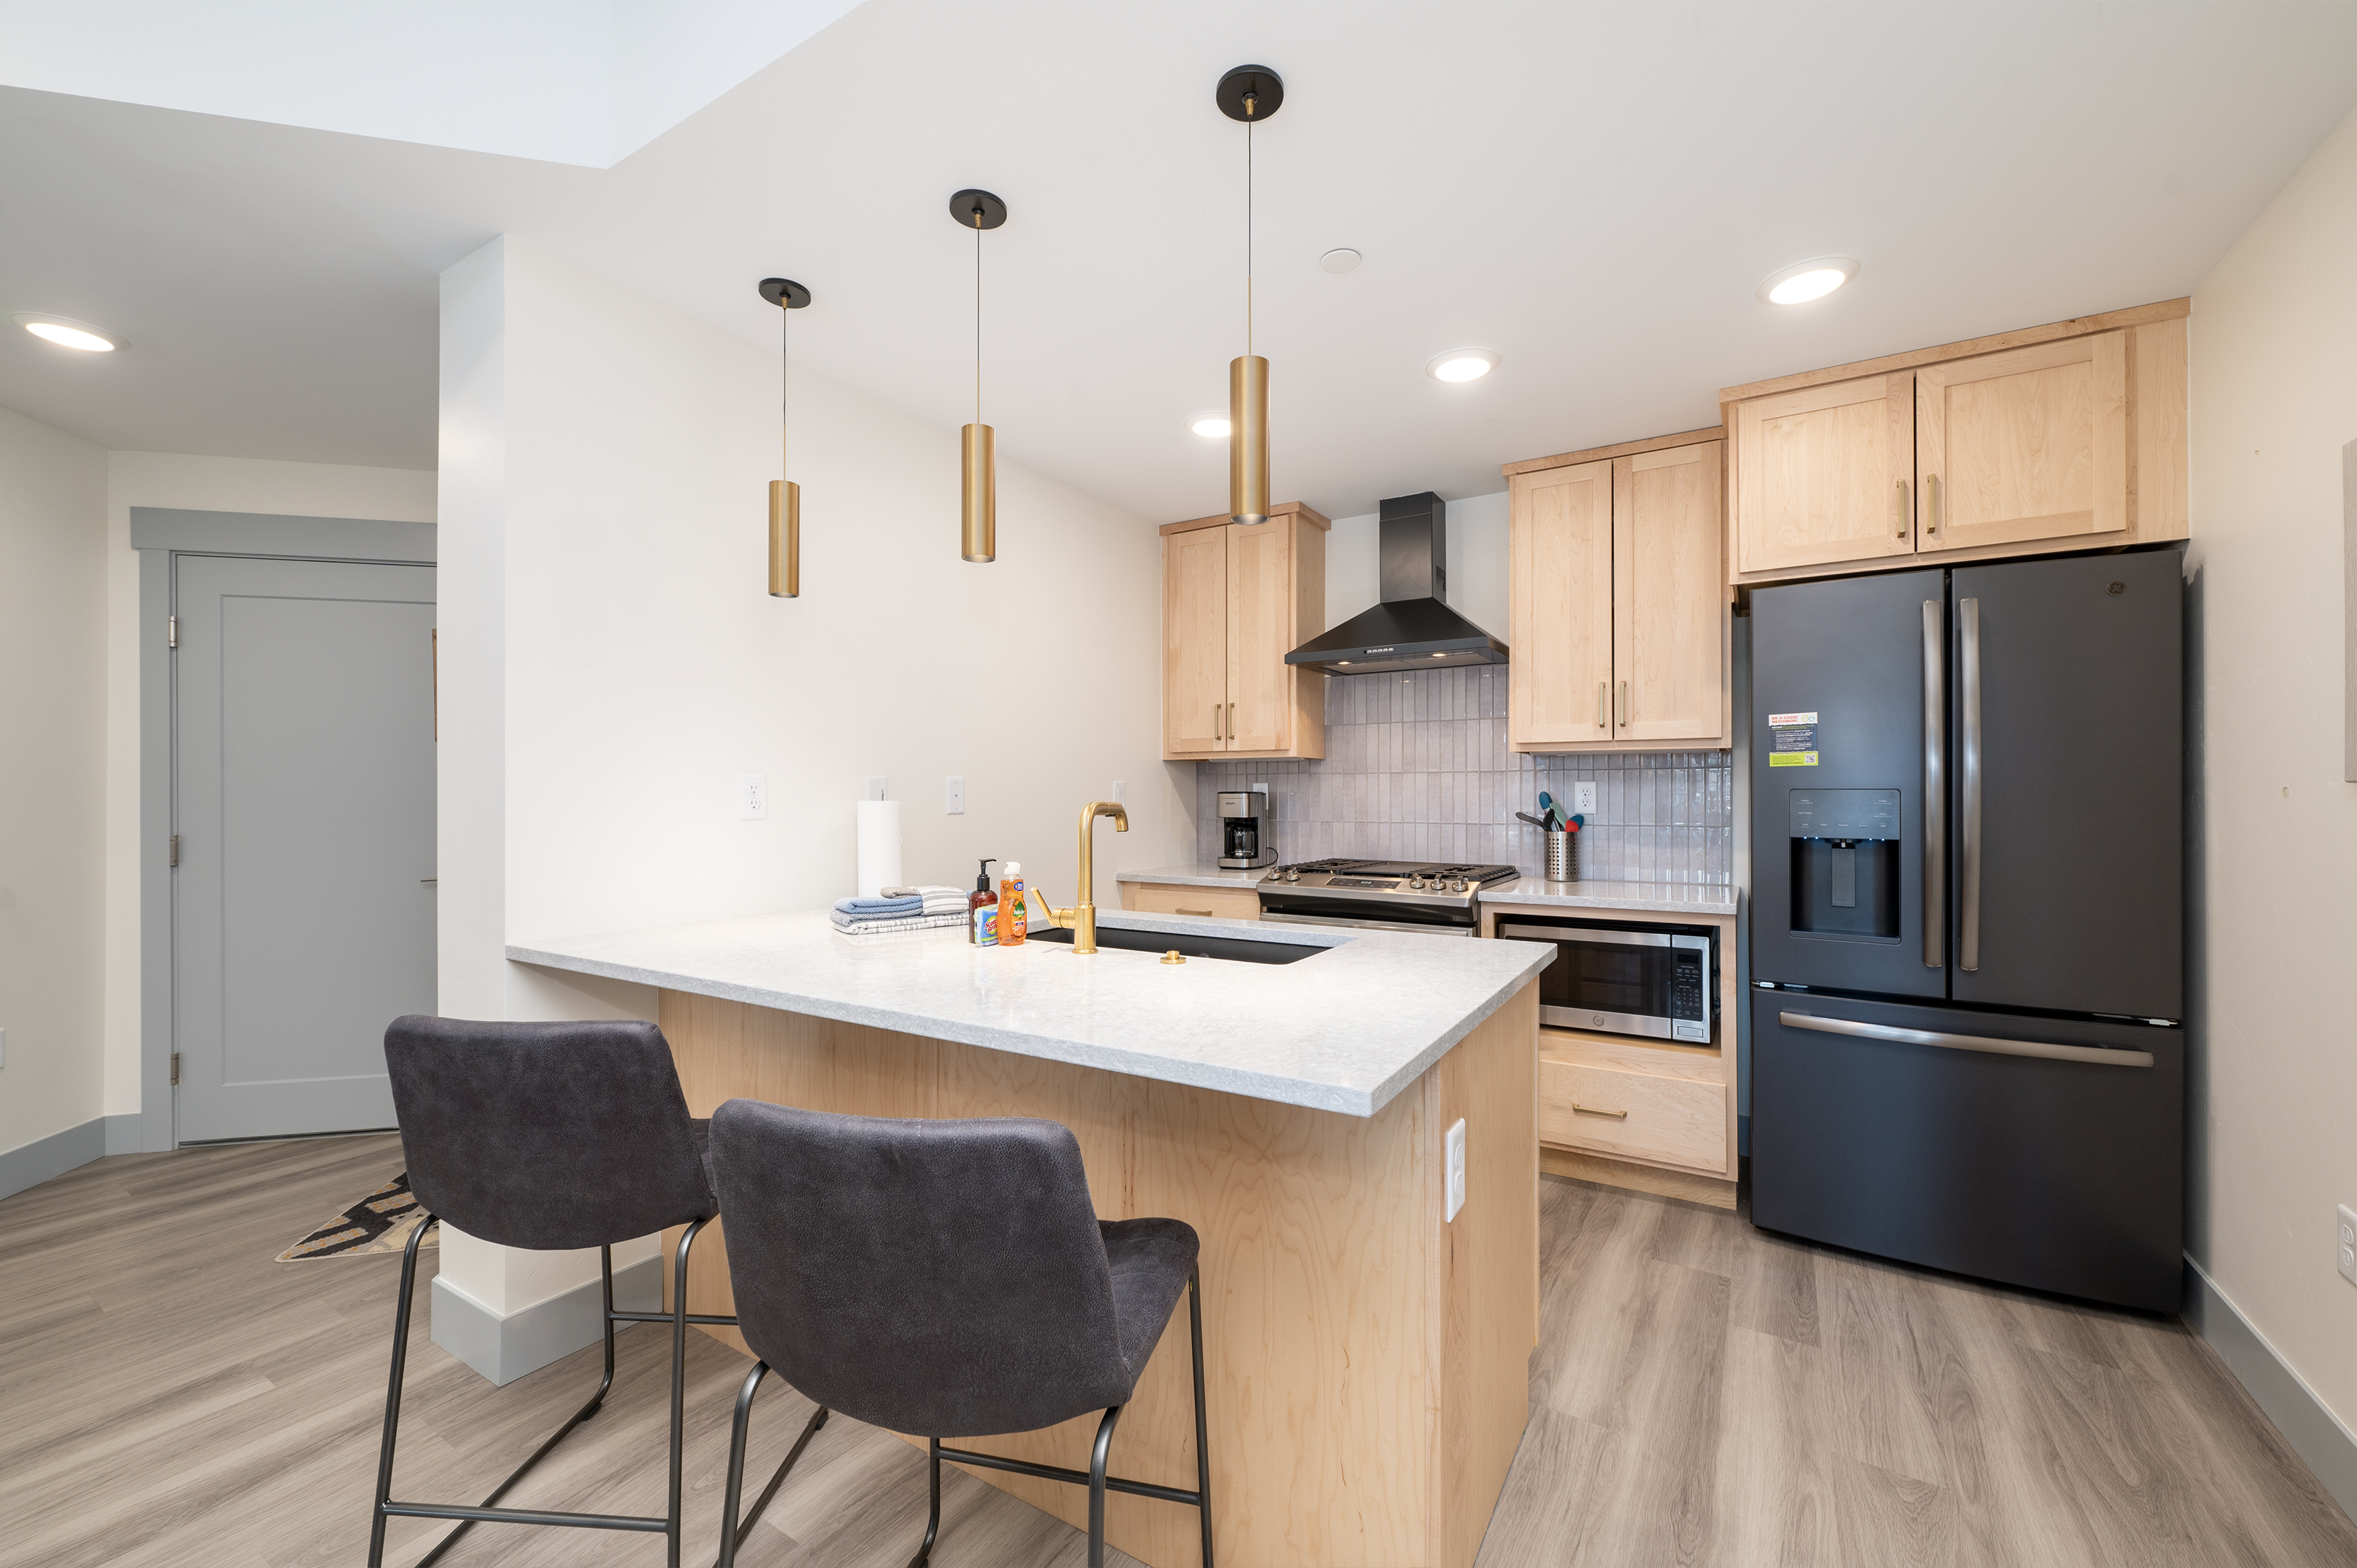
[(1413, 628)]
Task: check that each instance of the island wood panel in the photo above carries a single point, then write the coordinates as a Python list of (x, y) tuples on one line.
[(1174, 899), (1367, 1364)]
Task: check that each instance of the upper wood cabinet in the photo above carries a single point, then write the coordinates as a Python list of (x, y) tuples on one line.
[(1618, 599), (1236, 601), (2059, 437)]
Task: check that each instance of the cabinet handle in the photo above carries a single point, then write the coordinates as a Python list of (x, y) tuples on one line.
[(1622, 715), (1930, 503), (1593, 1111), (1215, 721), (1190, 911), (1232, 721), (1899, 512), (1601, 687)]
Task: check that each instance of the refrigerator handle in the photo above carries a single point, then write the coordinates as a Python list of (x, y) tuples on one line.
[(1968, 805), (1936, 787), (2094, 1056)]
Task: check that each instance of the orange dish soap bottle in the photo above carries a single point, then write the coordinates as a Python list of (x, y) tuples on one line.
[(1010, 904), (982, 911)]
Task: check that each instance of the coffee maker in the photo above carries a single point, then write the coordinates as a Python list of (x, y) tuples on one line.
[(1245, 840)]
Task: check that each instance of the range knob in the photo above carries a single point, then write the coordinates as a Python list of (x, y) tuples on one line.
[(1292, 873), (1415, 881), (1457, 885)]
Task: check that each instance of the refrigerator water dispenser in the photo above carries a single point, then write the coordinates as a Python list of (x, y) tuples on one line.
[(1845, 863)]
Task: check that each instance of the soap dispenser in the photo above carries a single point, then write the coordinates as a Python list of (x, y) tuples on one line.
[(981, 910)]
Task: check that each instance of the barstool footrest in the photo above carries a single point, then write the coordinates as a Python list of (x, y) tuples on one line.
[(523, 1515), (1077, 1477)]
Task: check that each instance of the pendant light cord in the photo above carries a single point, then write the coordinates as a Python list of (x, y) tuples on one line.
[(785, 386), (977, 314), (1248, 235)]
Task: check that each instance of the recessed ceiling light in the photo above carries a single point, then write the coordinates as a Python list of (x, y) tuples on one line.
[(1461, 365), (1341, 260), (1805, 281), (1213, 424), (64, 331)]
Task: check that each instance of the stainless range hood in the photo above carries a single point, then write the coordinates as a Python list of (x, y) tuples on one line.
[(1413, 628)]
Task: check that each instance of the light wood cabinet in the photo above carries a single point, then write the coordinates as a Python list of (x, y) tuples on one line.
[(1236, 601), (1617, 598), (1179, 899), (2066, 437)]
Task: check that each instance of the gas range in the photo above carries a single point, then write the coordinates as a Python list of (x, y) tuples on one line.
[(1387, 894)]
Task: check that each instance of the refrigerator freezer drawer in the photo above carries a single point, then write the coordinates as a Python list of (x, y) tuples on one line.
[(2043, 1153), (1634, 1115)]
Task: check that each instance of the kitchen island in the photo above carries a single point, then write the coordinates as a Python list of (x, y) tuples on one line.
[(1366, 1356)]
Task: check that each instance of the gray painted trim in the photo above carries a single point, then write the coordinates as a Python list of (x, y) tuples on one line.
[(505, 1349), (267, 534), (2307, 1423), (156, 1097), (32, 1164), (123, 1134)]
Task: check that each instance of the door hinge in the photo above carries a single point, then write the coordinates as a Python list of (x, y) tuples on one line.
[(176, 1070), (175, 849), (171, 631)]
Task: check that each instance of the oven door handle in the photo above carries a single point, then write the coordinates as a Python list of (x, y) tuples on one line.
[(1433, 929), (2097, 1055)]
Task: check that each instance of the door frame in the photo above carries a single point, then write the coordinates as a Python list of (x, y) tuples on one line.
[(161, 535)]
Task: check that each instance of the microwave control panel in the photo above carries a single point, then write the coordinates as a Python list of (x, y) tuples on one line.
[(1689, 997)]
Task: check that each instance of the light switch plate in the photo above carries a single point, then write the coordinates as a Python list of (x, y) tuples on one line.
[(1120, 793), (955, 802), (2346, 1250), (1456, 1169), (874, 789), (753, 797), (1583, 798)]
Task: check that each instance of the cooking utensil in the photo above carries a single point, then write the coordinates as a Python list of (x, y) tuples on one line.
[(1533, 820)]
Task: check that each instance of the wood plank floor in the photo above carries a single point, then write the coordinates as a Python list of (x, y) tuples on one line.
[(1703, 1393)]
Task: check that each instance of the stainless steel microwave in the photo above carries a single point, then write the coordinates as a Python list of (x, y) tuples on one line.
[(1660, 982)]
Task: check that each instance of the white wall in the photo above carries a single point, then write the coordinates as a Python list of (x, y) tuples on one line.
[(1476, 563), (611, 662), (52, 761), (2274, 1087), (196, 484)]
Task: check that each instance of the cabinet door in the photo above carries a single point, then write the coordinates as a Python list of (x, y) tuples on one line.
[(1259, 634), (1669, 596), (1194, 640), (2028, 445), (1561, 552), (1822, 474)]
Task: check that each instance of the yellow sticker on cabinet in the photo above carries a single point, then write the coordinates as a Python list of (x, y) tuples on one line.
[(1792, 740)]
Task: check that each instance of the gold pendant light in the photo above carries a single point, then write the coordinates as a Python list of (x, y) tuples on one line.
[(785, 496), (978, 506), (1250, 93)]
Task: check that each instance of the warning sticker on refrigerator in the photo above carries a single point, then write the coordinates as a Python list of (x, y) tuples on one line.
[(1792, 740)]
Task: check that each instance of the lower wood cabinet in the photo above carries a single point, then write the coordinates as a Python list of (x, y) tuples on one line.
[(1632, 1115), (1176, 898)]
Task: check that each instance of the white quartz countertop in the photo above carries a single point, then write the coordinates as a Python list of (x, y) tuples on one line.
[(1197, 876), (1344, 1030), (1660, 897)]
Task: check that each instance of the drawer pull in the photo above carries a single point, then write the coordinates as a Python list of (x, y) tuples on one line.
[(1595, 1111), (1190, 911)]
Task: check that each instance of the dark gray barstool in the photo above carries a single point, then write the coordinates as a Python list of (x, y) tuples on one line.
[(550, 1137), (945, 1279)]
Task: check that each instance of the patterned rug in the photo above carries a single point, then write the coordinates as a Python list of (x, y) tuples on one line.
[(381, 1222)]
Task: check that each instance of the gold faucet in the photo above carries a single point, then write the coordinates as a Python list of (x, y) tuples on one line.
[(1081, 920)]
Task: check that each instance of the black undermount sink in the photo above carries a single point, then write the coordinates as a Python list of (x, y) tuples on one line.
[(1241, 949)]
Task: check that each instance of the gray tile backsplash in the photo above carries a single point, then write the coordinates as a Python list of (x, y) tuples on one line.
[(1418, 768)]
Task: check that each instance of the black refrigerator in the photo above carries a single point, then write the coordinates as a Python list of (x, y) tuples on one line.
[(1967, 920)]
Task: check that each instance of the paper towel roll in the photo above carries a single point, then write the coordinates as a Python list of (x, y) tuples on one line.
[(879, 846)]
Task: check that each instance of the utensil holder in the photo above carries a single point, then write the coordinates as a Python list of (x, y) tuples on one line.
[(1563, 857)]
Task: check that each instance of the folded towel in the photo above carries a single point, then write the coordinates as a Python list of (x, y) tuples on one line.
[(872, 908), (904, 923)]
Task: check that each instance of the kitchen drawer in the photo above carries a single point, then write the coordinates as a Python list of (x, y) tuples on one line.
[(1675, 1120), (1169, 898)]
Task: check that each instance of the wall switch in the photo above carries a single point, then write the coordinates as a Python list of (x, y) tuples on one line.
[(954, 804), (1456, 1168), (874, 789), (1119, 792), (2347, 1250), (753, 797), (1583, 798)]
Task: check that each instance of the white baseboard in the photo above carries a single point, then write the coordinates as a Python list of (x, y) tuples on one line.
[(30, 1164), (505, 1349), (2307, 1423)]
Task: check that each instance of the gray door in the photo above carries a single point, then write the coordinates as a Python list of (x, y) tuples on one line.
[(2077, 759), (303, 777)]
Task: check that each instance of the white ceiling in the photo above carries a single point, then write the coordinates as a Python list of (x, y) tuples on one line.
[(1593, 191)]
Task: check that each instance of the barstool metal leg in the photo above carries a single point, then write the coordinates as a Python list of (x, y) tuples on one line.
[(678, 1376), (934, 1523), (392, 1394), (732, 1533), (1202, 1421), (1097, 1456)]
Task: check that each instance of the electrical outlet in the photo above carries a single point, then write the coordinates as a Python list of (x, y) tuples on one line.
[(955, 803), (753, 797), (1456, 1169), (1119, 792), (1583, 798), (2347, 1250), (874, 789)]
